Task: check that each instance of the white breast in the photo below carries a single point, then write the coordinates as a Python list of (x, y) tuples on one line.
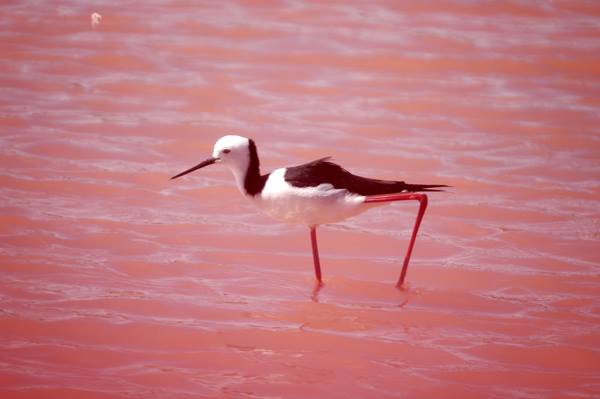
[(307, 205)]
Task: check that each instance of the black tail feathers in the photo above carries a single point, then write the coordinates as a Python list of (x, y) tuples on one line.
[(424, 187)]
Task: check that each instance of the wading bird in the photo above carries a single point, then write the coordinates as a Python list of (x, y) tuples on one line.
[(313, 193)]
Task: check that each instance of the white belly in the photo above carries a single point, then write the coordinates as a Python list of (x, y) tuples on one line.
[(307, 205)]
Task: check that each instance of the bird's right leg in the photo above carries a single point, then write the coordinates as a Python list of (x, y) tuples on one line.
[(422, 198)]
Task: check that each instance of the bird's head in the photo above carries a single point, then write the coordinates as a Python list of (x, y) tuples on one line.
[(233, 151)]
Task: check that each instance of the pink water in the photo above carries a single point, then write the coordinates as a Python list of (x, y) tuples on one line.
[(119, 283)]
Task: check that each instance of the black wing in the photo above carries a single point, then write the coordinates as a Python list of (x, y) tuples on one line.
[(322, 171)]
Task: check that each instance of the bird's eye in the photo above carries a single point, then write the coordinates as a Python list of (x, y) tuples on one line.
[(226, 151)]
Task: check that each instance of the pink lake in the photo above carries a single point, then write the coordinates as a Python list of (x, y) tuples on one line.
[(120, 283)]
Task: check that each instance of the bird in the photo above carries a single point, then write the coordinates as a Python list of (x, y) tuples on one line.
[(312, 194)]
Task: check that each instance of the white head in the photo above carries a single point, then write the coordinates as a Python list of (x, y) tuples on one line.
[(233, 151), (237, 152)]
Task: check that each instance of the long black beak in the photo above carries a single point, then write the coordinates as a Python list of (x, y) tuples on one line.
[(202, 164)]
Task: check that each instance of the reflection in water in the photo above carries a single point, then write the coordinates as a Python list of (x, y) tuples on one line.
[(318, 285), (116, 280)]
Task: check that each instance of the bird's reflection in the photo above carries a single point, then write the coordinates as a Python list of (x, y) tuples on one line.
[(315, 291)]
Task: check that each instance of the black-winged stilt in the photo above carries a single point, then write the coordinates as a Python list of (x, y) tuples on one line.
[(314, 193)]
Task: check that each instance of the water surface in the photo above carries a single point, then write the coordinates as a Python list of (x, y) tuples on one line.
[(119, 283)]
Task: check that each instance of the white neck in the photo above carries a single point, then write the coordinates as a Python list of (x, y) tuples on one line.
[(239, 168)]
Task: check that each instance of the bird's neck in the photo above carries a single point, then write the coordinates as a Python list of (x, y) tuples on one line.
[(253, 181), (247, 173)]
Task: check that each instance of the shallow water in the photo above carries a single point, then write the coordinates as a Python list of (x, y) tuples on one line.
[(117, 282)]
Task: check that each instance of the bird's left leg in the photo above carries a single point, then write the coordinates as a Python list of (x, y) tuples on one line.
[(315, 251)]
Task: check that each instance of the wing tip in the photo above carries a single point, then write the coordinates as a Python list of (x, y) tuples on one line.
[(427, 187)]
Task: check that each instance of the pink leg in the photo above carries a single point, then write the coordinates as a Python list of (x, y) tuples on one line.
[(315, 251), (422, 198)]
